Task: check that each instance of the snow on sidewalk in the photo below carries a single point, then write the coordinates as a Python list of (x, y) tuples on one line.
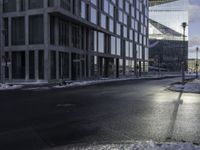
[(149, 145), (191, 87), (91, 82), (9, 87)]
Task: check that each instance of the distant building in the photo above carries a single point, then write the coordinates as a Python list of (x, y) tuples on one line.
[(166, 33), (73, 39), (192, 65)]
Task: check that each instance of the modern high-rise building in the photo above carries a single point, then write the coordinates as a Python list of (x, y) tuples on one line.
[(168, 45), (73, 39)]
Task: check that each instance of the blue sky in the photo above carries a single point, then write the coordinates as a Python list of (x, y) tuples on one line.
[(194, 26)]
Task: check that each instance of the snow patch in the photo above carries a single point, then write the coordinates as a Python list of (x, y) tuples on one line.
[(9, 87), (193, 87), (37, 89), (90, 82), (149, 145)]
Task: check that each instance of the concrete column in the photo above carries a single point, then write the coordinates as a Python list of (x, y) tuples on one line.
[(1, 44), (70, 65), (46, 49), (36, 66), (89, 65), (27, 65), (26, 30), (70, 35), (123, 52), (27, 43), (10, 67), (57, 65)]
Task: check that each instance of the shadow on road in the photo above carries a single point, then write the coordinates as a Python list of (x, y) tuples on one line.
[(174, 117)]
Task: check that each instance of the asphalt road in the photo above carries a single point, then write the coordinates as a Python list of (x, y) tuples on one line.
[(116, 112)]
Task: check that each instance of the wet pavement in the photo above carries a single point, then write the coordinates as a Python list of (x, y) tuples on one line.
[(117, 112)]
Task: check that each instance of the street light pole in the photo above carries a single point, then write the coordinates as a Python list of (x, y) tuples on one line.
[(197, 62), (184, 24), (1, 47)]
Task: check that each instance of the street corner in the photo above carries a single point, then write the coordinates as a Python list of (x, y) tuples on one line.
[(192, 86)]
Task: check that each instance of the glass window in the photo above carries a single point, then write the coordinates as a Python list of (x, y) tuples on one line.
[(101, 42), (120, 4), (31, 65), (111, 10), (66, 4), (50, 3), (118, 29), (114, 1), (125, 19), (137, 15), (120, 16), (133, 12), (53, 64), (36, 29), (140, 39), (22, 5), (83, 9), (18, 65), (63, 65), (94, 2), (125, 32), (93, 15), (75, 34), (118, 46), (41, 64), (63, 33), (136, 25), (127, 7), (136, 37), (131, 49), (146, 53), (33, 4), (106, 6), (103, 21), (18, 31), (9, 5), (93, 41), (111, 25), (52, 29), (113, 45), (138, 51), (132, 23), (6, 35), (127, 49), (131, 34)]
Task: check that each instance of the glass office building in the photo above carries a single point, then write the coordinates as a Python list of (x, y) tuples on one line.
[(166, 33), (74, 39)]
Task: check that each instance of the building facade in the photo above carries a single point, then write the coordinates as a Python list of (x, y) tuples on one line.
[(168, 43), (73, 39)]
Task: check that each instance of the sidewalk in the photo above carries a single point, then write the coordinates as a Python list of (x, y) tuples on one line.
[(46, 86), (190, 87)]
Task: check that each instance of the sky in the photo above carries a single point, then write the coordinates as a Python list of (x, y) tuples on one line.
[(194, 27)]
